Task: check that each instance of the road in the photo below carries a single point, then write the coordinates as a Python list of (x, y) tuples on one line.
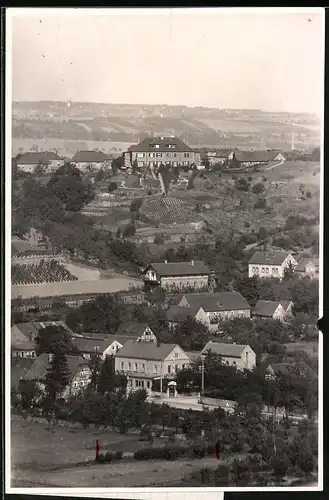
[(274, 166)]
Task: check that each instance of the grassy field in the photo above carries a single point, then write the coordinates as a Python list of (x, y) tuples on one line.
[(66, 148), (54, 458)]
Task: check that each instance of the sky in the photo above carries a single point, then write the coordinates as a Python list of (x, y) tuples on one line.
[(257, 60)]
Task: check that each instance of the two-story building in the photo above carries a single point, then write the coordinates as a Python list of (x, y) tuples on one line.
[(241, 356), (157, 151), (271, 264), (192, 275), (144, 362), (218, 306), (269, 309), (80, 374), (91, 160), (48, 160)]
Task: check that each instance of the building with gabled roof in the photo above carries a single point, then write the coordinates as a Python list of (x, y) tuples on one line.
[(154, 151), (241, 356), (270, 309), (193, 275), (144, 362), (270, 264), (175, 315), (91, 160), (308, 266), (140, 332), (219, 306), (28, 162), (80, 373), (249, 158)]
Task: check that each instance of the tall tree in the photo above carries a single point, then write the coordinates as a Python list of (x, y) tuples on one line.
[(57, 376)]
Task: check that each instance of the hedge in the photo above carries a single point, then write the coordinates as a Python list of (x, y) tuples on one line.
[(109, 456), (174, 452)]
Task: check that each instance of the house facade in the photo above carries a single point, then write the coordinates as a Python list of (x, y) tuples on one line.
[(270, 264), (145, 362), (241, 356), (157, 151), (140, 332), (29, 162), (221, 156), (267, 309), (217, 306), (192, 275), (176, 315), (88, 161)]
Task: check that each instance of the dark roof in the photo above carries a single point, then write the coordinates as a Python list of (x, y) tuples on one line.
[(22, 345), (294, 369), (32, 158), (178, 314), (180, 268), (39, 368), (23, 333), (304, 261), (91, 345), (221, 301), (227, 350), (224, 153), (19, 367), (89, 156), (131, 328), (256, 156), (273, 258), (265, 308), (145, 350), (148, 144)]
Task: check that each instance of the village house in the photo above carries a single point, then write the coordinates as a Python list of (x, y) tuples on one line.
[(154, 151), (270, 264), (250, 158), (29, 331), (144, 362), (141, 332), (18, 367), (308, 266), (192, 275), (176, 315), (218, 306), (221, 156), (241, 356), (290, 369), (87, 161), (80, 374), (268, 309), (48, 160), (87, 347)]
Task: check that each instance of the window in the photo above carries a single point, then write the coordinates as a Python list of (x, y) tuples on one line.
[(263, 269), (186, 155), (155, 368), (122, 365), (148, 384), (234, 363), (140, 155), (129, 366), (143, 367), (176, 368), (75, 384), (176, 354), (136, 383), (175, 155), (183, 366), (152, 155), (142, 383), (169, 369), (82, 383), (159, 155), (135, 367), (275, 270), (156, 146), (267, 270)]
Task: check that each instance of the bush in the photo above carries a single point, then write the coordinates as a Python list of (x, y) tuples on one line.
[(258, 188), (308, 194), (129, 230), (109, 456), (166, 453), (260, 203)]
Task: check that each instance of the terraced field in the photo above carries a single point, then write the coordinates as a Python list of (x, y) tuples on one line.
[(168, 210)]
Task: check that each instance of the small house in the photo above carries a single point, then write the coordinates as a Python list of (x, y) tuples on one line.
[(271, 264), (171, 276), (47, 160), (241, 356), (270, 309), (308, 267), (87, 161)]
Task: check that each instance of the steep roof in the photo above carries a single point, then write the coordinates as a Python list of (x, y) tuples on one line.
[(216, 302), (273, 258), (227, 350), (19, 367), (39, 368), (285, 304), (145, 350), (178, 314), (225, 153), (148, 145), (265, 308), (21, 332), (92, 345), (33, 158), (131, 328), (89, 156), (195, 268)]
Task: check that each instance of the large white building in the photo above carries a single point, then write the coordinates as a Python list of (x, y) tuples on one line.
[(270, 264)]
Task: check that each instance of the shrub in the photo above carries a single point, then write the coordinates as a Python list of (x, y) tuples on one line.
[(109, 456), (250, 178), (166, 453), (308, 194), (260, 203), (258, 188)]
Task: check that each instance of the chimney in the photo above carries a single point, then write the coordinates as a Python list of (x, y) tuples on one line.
[(50, 357), (192, 262)]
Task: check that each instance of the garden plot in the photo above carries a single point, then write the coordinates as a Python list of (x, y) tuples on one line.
[(168, 210)]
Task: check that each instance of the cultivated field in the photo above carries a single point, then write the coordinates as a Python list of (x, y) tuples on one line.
[(167, 209), (66, 148), (42, 458)]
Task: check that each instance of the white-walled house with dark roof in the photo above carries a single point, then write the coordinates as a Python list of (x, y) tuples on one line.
[(29, 162), (94, 160), (193, 275), (270, 309), (270, 264), (241, 356)]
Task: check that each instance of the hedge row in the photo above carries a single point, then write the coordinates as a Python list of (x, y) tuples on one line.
[(109, 456)]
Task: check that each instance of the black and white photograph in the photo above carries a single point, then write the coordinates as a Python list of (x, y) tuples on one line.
[(164, 250)]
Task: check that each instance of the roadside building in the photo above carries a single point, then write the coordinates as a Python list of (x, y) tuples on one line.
[(308, 267), (241, 356), (145, 362), (268, 309), (80, 374), (87, 161), (46, 160), (218, 307), (192, 275), (154, 151), (251, 158), (270, 264)]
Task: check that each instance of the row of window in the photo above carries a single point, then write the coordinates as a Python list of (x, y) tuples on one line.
[(140, 383), (159, 155), (265, 270), (141, 367), (158, 163), (82, 383), (24, 354)]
